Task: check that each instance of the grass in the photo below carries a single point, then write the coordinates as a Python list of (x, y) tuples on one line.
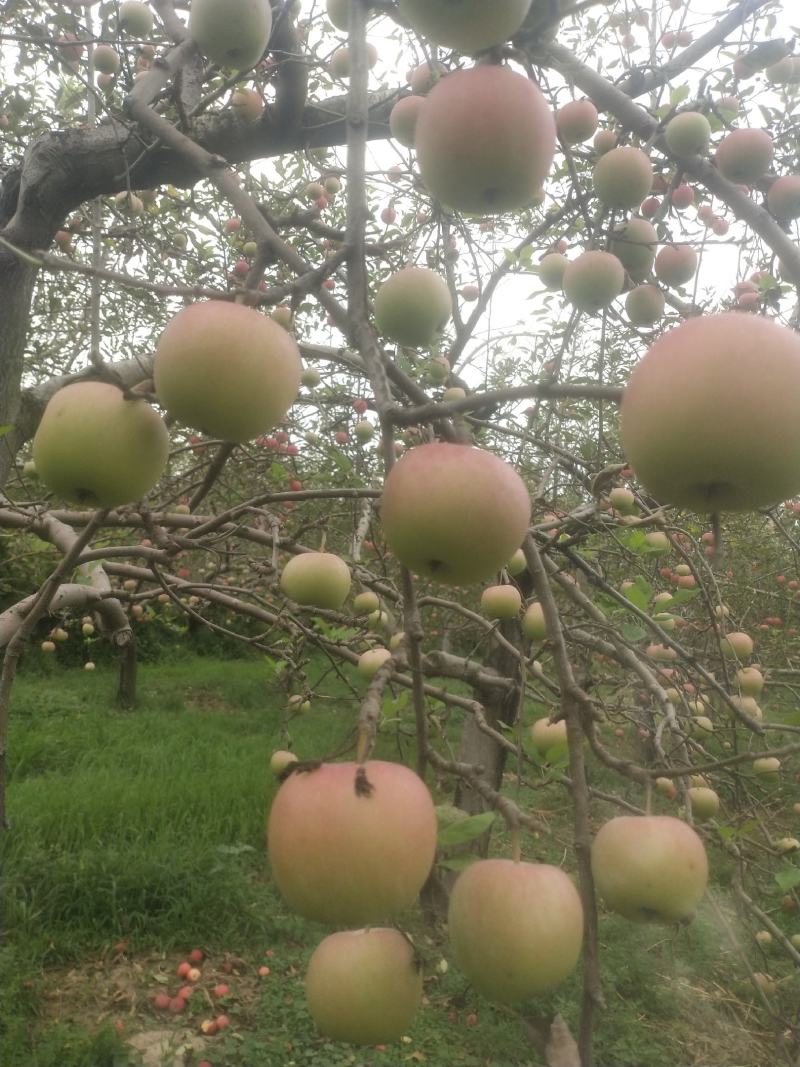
[(138, 836)]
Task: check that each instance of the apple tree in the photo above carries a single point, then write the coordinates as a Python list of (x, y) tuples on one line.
[(455, 343)]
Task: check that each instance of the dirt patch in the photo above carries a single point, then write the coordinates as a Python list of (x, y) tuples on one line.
[(208, 701)]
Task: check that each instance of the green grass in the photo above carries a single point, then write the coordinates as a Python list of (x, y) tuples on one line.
[(139, 835)]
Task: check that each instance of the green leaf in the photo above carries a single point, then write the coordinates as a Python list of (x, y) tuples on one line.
[(6, 429), (788, 878), (467, 830), (677, 96)]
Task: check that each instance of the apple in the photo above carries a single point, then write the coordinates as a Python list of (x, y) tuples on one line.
[(135, 19), (593, 280), (455, 392), (644, 305), (622, 500), (316, 579), (469, 26), (649, 867), (634, 244), (766, 984), (339, 13), (105, 59), (744, 156), (534, 626), (604, 141), (422, 78), (310, 376), (88, 665), (517, 564), (763, 937), (222, 989), (233, 33), (453, 512), (364, 430), (367, 602), (515, 929), (751, 681), (226, 369), (787, 844), (576, 121), (688, 134), (501, 602), (658, 542), (280, 760), (485, 139), (403, 119), (623, 177), (676, 264), (731, 384), (161, 1001), (247, 105), (364, 986), (339, 64), (96, 447), (371, 661), (129, 203), (547, 735), (551, 270), (737, 645), (349, 851), (413, 306), (767, 767), (704, 802), (683, 197), (783, 197), (667, 788)]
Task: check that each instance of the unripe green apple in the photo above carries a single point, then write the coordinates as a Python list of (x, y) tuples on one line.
[(634, 244), (704, 802), (658, 542), (547, 735), (380, 620), (517, 564), (749, 706), (688, 134), (593, 280), (485, 139), (576, 121), (551, 270), (676, 264), (767, 767), (534, 626), (501, 602), (298, 704), (345, 853), (233, 33), (623, 177), (622, 500), (413, 306), (316, 579), (135, 19), (453, 512), (645, 305), (96, 447), (280, 760), (367, 602), (403, 119), (751, 681), (48, 646), (667, 788), (371, 661), (105, 59), (649, 867), (515, 929), (744, 156), (364, 986), (339, 13), (731, 385), (469, 26), (226, 369), (455, 392), (310, 377)]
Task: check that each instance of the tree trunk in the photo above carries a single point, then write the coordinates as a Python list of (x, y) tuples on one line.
[(16, 289)]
